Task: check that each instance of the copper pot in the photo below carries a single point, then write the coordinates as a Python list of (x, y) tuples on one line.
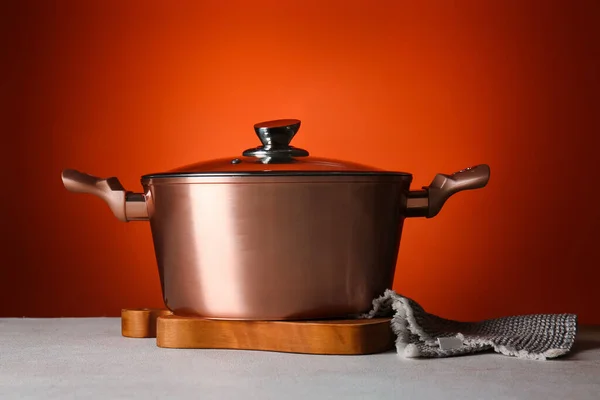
[(275, 234)]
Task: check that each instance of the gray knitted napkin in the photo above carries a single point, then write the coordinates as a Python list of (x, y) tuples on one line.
[(420, 334)]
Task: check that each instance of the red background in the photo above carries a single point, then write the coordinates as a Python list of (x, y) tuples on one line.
[(127, 88)]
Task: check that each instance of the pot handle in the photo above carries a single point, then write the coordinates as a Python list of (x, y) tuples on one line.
[(429, 201), (126, 206)]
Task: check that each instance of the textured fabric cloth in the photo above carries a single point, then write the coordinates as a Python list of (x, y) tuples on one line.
[(420, 334)]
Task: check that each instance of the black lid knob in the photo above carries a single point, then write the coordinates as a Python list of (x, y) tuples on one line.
[(275, 137), (278, 133)]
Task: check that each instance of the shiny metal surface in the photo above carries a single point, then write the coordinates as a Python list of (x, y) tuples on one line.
[(135, 207), (276, 248), (268, 236)]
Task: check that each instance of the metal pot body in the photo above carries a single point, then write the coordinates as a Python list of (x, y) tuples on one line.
[(276, 248), (275, 234)]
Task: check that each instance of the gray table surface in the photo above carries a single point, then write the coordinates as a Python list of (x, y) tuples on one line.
[(88, 358)]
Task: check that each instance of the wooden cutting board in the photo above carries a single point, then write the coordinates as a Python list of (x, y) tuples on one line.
[(341, 337)]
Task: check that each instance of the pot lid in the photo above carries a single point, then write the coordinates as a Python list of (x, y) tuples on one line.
[(275, 156)]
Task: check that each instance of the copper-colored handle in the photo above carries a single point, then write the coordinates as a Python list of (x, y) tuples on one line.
[(429, 201), (126, 206)]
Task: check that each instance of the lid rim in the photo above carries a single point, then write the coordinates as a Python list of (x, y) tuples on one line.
[(255, 174)]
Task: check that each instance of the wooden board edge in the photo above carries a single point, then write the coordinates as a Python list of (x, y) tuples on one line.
[(140, 323), (302, 337)]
